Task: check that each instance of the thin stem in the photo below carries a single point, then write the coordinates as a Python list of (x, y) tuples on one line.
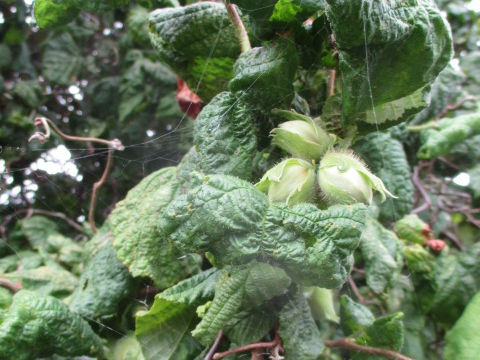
[(345, 343), (248, 347), (96, 186), (114, 144), (47, 123), (240, 30), (215, 346), (331, 82), (9, 285)]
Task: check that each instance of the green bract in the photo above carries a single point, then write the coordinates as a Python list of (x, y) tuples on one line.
[(290, 182), (302, 138), (345, 179)]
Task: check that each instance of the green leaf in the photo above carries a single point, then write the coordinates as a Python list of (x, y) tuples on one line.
[(380, 251), (387, 159), (52, 13), (99, 5), (393, 112), (387, 50), (126, 348), (5, 299), (199, 43), (313, 246), (29, 92), (224, 137), (137, 238), (258, 15), (5, 56), (37, 326), (463, 340), (474, 185), (446, 284), (250, 285), (137, 23), (301, 338), (162, 330), (385, 332), (450, 132), (193, 291), (50, 280), (249, 326), (104, 283), (295, 11), (62, 60), (264, 75), (43, 235), (354, 316)]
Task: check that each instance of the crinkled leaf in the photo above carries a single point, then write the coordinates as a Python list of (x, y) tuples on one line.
[(47, 280), (354, 316), (195, 290), (380, 251), (37, 326), (136, 236), (62, 60), (104, 283), (189, 38), (313, 246), (301, 338), (445, 285), (387, 49), (463, 340), (264, 75), (51, 13), (249, 326), (250, 285), (387, 159), (450, 132), (161, 330), (225, 138), (385, 332), (6, 298)]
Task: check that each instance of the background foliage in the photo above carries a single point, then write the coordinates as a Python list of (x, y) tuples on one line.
[(158, 280)]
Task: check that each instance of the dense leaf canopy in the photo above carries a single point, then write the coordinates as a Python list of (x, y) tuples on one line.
[(274, 179)]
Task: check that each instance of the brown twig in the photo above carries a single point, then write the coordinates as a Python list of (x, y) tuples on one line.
[(275, 346), (240, 30), (249, 347), (9, 285), (215, 346), (348, 344), (96, 186), (355, 290), (450, 107), (454, 239), (113, 145), (331, 82)]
